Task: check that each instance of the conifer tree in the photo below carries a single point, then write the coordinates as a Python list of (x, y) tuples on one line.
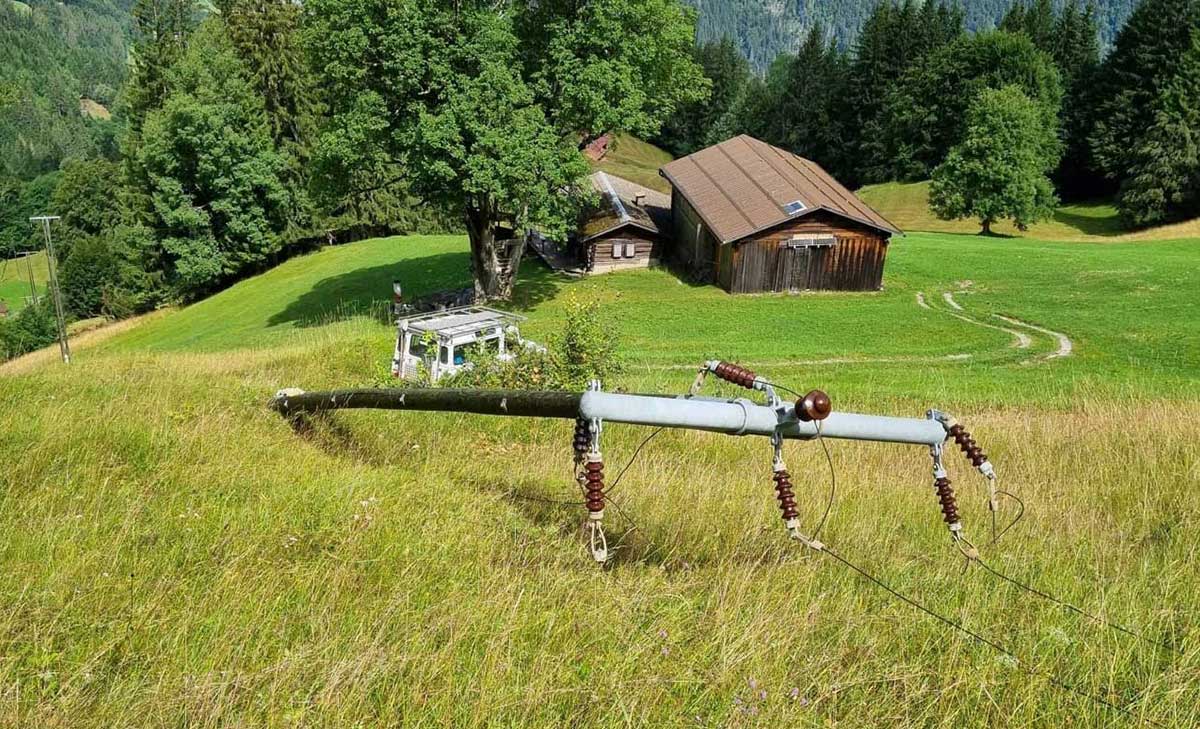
[(689, 127), (266, 37), (1163, 177), (1133, 78)]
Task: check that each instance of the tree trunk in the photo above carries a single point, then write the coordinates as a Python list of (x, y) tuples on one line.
[(987, 226), (492, 280)]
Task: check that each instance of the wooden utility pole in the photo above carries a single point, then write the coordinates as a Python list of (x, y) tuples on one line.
[(55, 292)]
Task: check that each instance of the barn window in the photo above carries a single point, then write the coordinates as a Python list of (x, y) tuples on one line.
[(810, 241)]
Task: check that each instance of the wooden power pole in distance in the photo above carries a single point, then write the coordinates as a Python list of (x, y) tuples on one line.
[(28, 256), (55, 292)]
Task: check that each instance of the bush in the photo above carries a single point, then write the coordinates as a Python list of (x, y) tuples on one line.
[(586, 349), (32, 328), (89, 270)]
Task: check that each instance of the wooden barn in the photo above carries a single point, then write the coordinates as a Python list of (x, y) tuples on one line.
[(628, 229), (752, 217)]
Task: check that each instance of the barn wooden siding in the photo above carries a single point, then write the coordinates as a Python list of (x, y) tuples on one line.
[(695, 248), (766, 262)]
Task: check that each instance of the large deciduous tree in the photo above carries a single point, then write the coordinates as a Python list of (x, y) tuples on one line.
[(218, 204), (928, 110), (999, 170), (483, 106)]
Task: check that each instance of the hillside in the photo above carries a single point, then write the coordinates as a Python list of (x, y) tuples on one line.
[(175, 554), (763, 29), (64, 64), (635, 160), (907, 205)]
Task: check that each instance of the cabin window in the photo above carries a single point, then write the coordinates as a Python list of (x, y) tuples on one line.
[(616, 251), (630, 250)]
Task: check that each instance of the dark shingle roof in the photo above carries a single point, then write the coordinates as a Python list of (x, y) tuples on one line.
[(742, 186), (619, 205)]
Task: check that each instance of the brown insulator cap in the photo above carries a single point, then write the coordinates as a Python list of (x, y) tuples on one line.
[(813, 406)]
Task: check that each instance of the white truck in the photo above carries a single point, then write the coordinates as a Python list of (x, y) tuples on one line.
[(443, 341)]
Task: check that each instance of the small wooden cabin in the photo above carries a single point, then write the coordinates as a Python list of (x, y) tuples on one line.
[(627, 229), (752, 217)]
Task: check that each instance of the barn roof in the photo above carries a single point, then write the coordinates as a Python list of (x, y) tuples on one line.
[(742, 186), (625, 203)]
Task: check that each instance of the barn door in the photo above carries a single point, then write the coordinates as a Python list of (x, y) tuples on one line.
[(797, 269)]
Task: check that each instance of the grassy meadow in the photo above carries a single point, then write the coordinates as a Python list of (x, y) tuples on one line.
[(173, 554), (14, 280), (638, 161), (907, 205)]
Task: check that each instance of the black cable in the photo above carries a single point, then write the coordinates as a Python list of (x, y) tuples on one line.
[(632, 458), (1069, 606), (832, 482), (788, 390), (1011, 524), (1054, 680)]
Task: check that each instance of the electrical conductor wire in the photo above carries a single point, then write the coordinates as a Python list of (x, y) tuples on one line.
[(1054, 680)]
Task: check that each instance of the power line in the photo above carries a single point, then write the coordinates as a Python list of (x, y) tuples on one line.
[(1053, 679), (1080, 611)]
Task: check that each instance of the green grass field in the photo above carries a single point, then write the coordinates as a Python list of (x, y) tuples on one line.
[(637, 161), (907, 205), (14, 280), (173, 554)]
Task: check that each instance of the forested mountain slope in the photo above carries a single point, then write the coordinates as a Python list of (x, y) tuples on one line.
[(61, 66), (764, 28)]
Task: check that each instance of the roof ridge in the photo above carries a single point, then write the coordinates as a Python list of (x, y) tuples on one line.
[(615, 199), (849, 197)]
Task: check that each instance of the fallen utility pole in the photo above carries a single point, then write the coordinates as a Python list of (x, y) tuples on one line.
[(809, 417)]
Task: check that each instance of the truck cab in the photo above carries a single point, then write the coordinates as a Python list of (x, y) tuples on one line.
[(443, 341)]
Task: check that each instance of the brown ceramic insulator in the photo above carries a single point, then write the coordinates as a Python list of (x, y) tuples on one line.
[(594, 485), (949, 504), (736, 374), (813, 406), (581, 440), (787, 497), (968, 446)]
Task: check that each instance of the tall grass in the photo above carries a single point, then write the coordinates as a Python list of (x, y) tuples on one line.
[(173, 554)]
